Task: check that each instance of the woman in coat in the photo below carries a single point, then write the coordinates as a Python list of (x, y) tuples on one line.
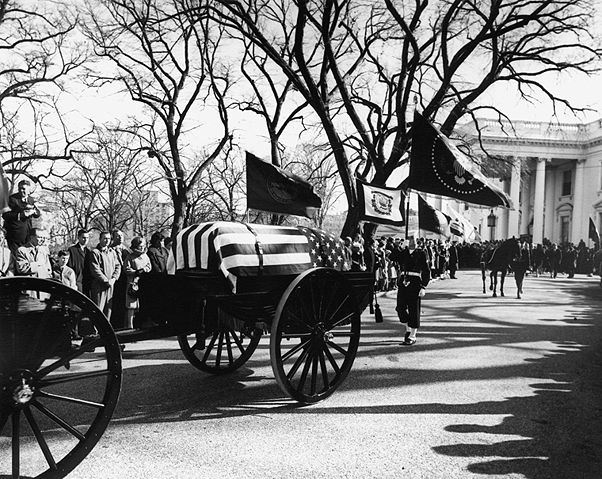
[(136, 263)]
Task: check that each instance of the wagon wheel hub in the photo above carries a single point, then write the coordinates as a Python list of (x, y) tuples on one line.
[(320, 331), (22, 388)]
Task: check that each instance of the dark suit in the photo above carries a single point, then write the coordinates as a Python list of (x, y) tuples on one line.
[(79, 259), (414, 274), (18, 225), (453, 261)]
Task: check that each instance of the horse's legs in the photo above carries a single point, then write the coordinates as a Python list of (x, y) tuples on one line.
[(493, 278), (503, 277), (483, 275)]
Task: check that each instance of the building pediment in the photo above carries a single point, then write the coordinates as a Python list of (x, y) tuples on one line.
[(564, 208)]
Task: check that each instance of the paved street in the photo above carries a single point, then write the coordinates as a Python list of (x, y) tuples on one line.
[(495, 387)]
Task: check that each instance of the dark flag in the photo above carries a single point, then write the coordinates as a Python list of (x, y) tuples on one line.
[(273, 189), (431, 219), (438, 167), (593, 233), (381, 205)]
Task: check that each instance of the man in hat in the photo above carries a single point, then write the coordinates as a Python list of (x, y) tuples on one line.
[(414, 277)]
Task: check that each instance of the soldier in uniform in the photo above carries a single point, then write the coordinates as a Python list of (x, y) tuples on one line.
[(414, 277)]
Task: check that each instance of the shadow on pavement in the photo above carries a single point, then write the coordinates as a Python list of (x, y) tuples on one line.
[(555, 432)]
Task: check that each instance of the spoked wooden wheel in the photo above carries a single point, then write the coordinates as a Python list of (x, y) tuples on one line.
[(315, 335), (57, 394), (223, 351)]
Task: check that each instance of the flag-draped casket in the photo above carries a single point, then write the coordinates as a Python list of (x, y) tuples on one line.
[(237, 250)]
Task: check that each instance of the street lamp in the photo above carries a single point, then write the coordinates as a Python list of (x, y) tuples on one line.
[(491, 219)]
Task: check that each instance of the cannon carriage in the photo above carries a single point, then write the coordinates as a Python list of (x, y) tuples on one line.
[(57, 395)]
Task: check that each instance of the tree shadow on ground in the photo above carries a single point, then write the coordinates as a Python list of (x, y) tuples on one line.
[(557, 431)]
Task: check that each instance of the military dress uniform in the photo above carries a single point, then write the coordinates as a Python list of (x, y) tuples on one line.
[(414, 274)]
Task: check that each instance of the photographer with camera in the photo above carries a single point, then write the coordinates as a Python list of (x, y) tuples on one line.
[(18, 221)]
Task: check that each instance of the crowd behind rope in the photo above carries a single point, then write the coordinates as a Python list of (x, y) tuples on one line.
[(445, 257)]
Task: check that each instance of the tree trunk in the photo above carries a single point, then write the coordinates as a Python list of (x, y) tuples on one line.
[(352, 221), (179, 214)]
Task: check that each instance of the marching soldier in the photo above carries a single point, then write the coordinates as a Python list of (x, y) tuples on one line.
[(414, 277)]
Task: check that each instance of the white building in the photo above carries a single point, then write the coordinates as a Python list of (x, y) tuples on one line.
[(553, 175)]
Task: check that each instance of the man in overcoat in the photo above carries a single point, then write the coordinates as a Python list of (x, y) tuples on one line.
[(453, 260), (79, 259), (104, 271)]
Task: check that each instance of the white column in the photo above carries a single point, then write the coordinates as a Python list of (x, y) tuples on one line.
[(513, 215), (577, 232), (525, 206), (538, 201), (549, 220)]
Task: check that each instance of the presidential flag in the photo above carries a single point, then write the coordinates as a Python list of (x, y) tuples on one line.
[(438, 167), (593, 233), (238, 250), (381, 205), (431, 219), (4, 191), (275, 190)]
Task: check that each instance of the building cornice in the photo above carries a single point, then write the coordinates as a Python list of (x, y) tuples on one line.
[(529, 133)]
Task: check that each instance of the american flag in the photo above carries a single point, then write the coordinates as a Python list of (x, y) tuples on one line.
[(238, 249), (325, 249)]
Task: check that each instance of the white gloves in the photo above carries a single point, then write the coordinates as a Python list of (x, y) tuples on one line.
[(422, 293)]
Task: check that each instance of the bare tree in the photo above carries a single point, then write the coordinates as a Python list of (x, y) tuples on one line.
[(362, 65), (104, 190), (314, 162), (37, 52), (221, 191), (166, 59), (271, 96)]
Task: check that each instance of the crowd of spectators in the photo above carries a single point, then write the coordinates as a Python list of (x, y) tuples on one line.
[(107, 273), (445, 257), (442, 257)]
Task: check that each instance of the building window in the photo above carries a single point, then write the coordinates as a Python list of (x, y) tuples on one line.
[(564, 229), (567, 177)]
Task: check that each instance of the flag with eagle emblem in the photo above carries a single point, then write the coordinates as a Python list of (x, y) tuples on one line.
[(275, 190), (438, 167)]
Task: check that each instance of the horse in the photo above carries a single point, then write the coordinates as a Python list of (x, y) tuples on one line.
[(520, 265), (498, 260)]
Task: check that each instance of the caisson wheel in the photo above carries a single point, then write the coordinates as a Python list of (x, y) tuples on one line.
[(315, 335), (57, 392), (223, 351)]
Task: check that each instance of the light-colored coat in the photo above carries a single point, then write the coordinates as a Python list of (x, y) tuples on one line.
[(104, 266), (33, 261), (7, 262)]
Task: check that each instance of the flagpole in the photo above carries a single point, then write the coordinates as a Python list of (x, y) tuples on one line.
[(408, 214)]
